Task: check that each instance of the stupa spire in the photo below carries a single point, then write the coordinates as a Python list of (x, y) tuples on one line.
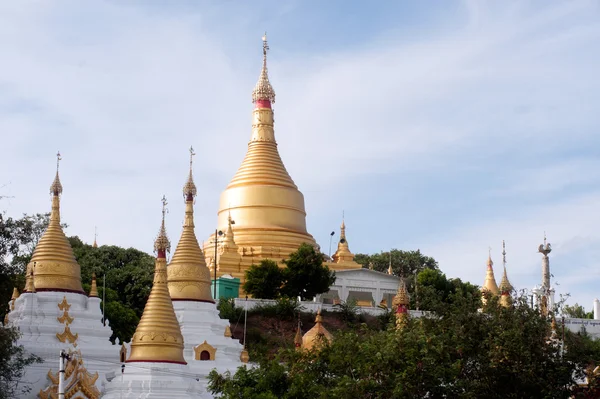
[(489, 285), (343, 254), (158, 338), (55, 266), (400, 304), (505, 287), (188, 276), (94, 287), (263, 94), (95, 244)]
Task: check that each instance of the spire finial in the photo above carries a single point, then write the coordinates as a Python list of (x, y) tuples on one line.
[(263, 94), (56, 188), (95, 237), (504, 253), (189, 188), (162, 244), (544, 237)]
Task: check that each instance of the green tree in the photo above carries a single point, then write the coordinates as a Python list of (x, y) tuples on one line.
[(264, 280), (577, 311), (13, 360), (404, 263), (434, 290), (122, 320), (456, 352), (305, 275)]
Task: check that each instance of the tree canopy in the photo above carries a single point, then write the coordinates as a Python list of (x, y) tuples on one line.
[(404, 263), (303, 275), (455, 352)]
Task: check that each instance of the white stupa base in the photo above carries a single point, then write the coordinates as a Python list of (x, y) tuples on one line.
[(145, 380), (36, 316), (199, 322)]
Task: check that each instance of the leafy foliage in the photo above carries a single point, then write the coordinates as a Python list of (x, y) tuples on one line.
[(264, 280), (404, 263), (456, 352), (434, 290), (13, 360), (577, 311), (304, 275), (228, 310)]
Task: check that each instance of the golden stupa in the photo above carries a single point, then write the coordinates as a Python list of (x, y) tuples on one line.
[(53, 264), (505, 288), (158, 337), (489, 285), (343, 254), (316, 336), (188, 276), (262, 199), (400, 304), (94, 287)]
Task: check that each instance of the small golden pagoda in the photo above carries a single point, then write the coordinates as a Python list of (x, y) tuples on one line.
[(343, 258), (489, 285), (158, 337), (53, 263), (505, 288), (15, 294), (94, 287), (262, 199), (188, 276), (315, 336), (298, 338), (400, 304)]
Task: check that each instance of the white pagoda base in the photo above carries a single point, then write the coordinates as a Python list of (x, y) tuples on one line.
[(77, 323), (148, 380), (200, 322)]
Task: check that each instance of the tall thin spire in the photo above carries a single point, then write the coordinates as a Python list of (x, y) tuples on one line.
[(263, 94), (158, 337), (188, 276), (489, 284), (56, 268), (400, 304), (95, 245), (343, 254), (505, 287)]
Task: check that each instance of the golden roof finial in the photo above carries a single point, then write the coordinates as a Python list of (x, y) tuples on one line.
[(489, 284), (505, 287), (158, 337), (489, 260), (95, 245), (263, 89), (188, 276), (162, 245), (94, 288), (401, 297), (189, 188), (56, 188)]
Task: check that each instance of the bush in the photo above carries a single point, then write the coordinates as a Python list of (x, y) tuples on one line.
[(283, 309), (348, 311), (228, 310)]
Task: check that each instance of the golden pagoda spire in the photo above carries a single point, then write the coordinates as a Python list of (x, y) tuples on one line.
[(400, 304), (390, 271), (15, 294), (505, 287), (343, 254), (158, 338), (263, 199), (312, 338), (489, 284), (56, 268), (95, 245), (188, 276), (94, 287), (263, 91)]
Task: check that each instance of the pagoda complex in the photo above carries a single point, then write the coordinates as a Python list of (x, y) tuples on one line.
[(261, 213), (490, 288), (54, 314)]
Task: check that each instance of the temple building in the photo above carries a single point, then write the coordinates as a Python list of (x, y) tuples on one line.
[(261, 213), (54, 313), (156, 367), (208, 341)]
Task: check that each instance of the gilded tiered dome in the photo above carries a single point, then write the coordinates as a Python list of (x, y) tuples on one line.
[(53, 264), (188, 276), (158, 337), (343, 253), (315, 336), (262, 198)]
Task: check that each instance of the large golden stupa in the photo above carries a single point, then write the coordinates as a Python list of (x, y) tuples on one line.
[(261, 213)]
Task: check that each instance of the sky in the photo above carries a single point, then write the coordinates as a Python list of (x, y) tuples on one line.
[(444, 126)]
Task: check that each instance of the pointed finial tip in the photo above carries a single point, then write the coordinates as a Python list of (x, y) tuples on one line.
[(263, 92), (56, 187), (189, 188), (162, 243)]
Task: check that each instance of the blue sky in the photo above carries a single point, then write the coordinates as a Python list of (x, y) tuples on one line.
[(444, 126)]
